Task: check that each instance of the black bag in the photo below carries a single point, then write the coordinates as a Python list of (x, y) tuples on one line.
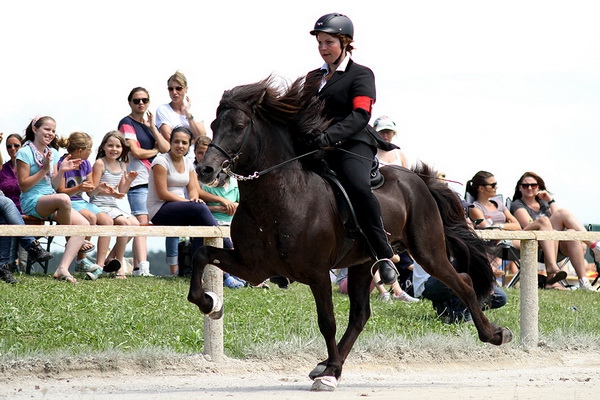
[(184, 258)]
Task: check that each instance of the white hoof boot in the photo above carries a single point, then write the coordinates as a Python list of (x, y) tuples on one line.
[(324, 384), (217, 309)]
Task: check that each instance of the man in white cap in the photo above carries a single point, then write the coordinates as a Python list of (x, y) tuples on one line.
[(387, 130)]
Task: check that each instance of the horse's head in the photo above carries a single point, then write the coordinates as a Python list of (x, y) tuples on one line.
[(252, 130)]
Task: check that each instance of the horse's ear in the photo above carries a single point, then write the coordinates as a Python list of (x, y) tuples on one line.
[(262, 96)]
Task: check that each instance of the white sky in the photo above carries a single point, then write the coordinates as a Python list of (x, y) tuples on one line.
[(501, 86)]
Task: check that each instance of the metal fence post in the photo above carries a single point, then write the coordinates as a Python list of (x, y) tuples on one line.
[(213, 329), (529, 307)]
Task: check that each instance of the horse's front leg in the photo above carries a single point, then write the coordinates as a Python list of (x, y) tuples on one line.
[(359, 281), (327, 378), (209, 303)]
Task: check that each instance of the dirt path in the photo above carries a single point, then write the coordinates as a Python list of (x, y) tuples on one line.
[(564, 375)]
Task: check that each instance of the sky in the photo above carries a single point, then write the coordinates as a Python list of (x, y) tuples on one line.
[(505, 87)]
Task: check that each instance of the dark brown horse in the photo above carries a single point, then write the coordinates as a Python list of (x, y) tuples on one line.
[(287, 222)]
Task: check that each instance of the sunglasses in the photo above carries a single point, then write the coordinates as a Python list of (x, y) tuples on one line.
[(177, 88), (140, 101), (10, 146), (529, 185), (492, 185)]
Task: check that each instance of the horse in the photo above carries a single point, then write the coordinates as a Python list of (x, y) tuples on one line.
[(288, 223)]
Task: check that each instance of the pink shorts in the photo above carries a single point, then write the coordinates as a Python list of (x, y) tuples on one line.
[(344, 286)]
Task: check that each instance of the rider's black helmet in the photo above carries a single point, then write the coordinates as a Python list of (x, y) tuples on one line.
[(334, 23)]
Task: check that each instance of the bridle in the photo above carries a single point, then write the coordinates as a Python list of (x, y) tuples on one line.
[(229, 164)]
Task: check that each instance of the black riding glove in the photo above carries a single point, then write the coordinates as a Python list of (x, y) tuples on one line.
[(321, 140)]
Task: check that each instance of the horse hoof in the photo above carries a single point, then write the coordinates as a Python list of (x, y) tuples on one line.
[(217, 309), (324, 384), (317, 371), (507, 335)]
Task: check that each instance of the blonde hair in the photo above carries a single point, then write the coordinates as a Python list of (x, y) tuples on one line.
[(178, 77), (76, 141)]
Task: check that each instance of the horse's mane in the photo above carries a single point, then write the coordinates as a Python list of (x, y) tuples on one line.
[(294, 106)]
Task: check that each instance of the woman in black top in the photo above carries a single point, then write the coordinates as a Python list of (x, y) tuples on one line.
[(348, 91)]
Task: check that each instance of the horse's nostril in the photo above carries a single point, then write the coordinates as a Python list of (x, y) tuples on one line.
[(207, 170)]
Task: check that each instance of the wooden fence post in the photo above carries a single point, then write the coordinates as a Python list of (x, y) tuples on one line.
[(213, 329), (529, 307)]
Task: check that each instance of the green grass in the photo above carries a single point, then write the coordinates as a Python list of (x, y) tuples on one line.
[(42, 317)]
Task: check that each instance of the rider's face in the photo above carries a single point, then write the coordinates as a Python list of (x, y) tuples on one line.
[(330, 47)]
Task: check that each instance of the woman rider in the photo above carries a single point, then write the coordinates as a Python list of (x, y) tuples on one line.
[(348, 91)]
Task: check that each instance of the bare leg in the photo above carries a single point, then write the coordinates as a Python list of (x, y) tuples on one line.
[(60, 206)]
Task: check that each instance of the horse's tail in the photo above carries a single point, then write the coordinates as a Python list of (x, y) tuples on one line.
[(463, 245)]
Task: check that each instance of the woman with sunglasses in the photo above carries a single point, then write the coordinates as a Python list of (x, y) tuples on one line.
[(145, 142), (488, 211), (9, 184), (177, 112), (532, 201)]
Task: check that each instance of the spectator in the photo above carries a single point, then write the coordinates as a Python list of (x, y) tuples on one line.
[(112, 181), (447, 305), (178, 111), (144, 142), (169, 116), (74, 184), (488, 212), (10, 215), (532, 202), (173, 189), (9, 184), (38, 177), (348, 92), (387, 130)]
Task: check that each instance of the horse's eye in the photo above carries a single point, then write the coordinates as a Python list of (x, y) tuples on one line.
[(239, 128)]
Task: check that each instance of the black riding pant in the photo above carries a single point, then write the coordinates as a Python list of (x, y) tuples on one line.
[(353, 167)]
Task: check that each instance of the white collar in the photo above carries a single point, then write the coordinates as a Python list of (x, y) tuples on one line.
[(341, 67)]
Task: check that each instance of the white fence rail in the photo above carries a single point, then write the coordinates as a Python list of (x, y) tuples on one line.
[(213, 329)]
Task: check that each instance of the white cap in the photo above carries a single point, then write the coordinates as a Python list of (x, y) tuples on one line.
[(384, 122)]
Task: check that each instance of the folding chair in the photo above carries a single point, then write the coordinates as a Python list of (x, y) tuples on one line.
[(29, 220)]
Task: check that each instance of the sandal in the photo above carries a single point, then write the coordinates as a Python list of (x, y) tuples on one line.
[(555, 277), (87, 247), (67, 278), (120, 276)]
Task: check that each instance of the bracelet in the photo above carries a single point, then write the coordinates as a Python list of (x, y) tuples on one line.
[(501, 226), (551, 201), (190, 117)]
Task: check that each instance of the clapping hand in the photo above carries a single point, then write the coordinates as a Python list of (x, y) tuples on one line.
[(67, 164), (86, 186), (130, 176), (108, 190)]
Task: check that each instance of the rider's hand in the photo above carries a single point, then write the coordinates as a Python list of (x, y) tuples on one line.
[(321, 140)]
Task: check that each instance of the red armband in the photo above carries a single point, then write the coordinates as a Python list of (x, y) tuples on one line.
[(364, 102)]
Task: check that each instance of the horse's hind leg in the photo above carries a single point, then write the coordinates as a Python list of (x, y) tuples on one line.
[(461, 284), (359, 284)]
